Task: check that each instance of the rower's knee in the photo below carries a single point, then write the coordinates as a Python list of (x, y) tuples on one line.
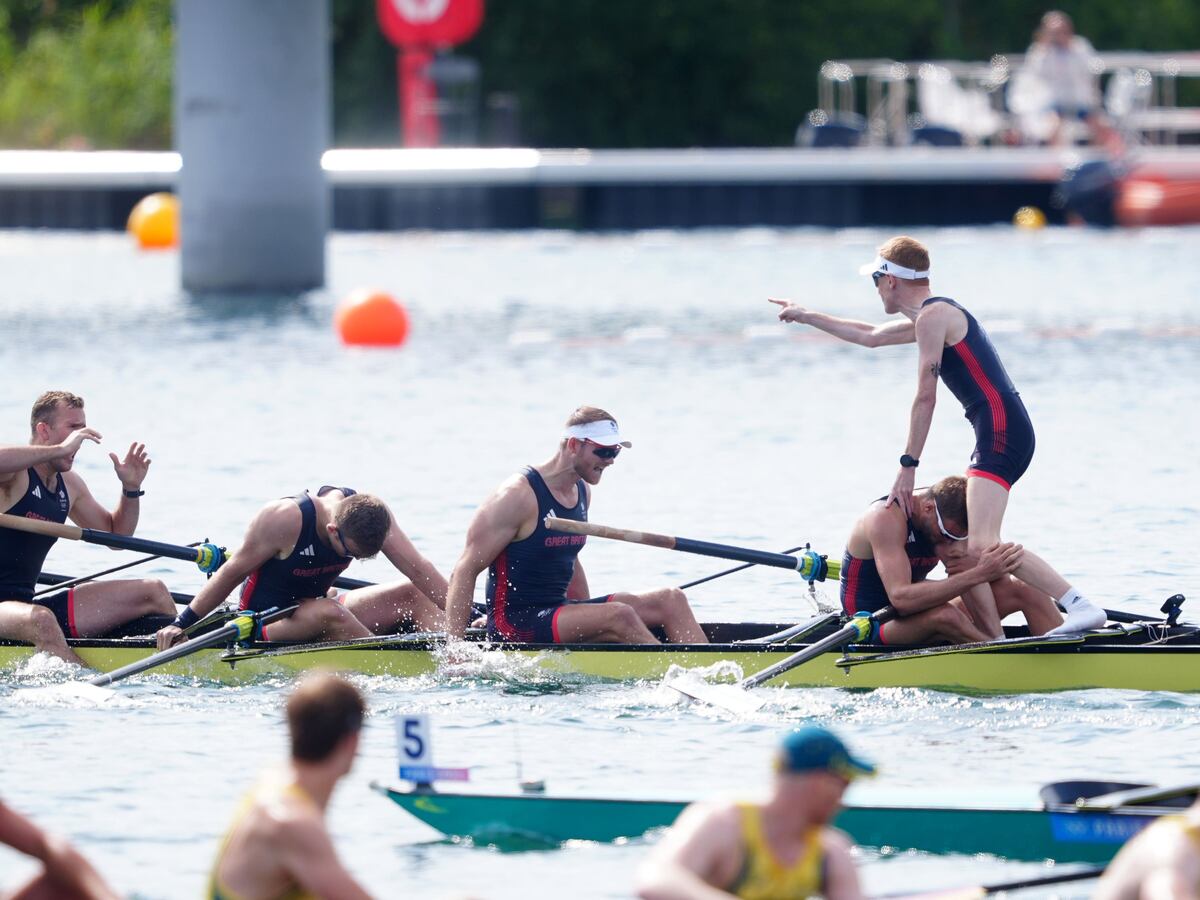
[(666, 605), (626, 624), (43, 627), (156, 598)]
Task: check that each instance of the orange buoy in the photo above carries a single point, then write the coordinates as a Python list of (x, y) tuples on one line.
[(371, 318), (154, 222)]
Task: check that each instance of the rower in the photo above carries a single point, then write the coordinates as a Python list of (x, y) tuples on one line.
[(888, 556), (65, 873), (37, 482), (295, 549), (782, 848), (537, 591), (278, 845), (953, 346), (1161, 861)]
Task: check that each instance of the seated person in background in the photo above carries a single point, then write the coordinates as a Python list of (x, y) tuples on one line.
[(1060, 71), (888, 556)]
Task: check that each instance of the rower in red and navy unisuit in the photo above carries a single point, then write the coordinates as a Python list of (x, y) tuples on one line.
[(972, 370)]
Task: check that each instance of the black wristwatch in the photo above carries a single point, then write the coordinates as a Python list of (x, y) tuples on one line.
[(132, 494), (908, 462)]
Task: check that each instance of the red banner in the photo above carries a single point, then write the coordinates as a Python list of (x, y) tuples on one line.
[(429, 23)]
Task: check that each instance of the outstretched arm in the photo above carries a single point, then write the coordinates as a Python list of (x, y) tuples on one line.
[(19, 458), (862, 333), (403, 554), (696, 858)]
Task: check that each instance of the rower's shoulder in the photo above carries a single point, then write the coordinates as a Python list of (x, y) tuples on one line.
[(883, 519), (279, 517)]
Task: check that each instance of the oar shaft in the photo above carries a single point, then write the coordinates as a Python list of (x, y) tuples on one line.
[(92, 536), (802, 564), (239, 629), (855, 628)]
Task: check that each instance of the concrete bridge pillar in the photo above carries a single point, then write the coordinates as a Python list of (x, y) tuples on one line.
[(252, 118)]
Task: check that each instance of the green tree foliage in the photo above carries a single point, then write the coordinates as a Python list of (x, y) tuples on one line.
[(86, 75), (599, 73)]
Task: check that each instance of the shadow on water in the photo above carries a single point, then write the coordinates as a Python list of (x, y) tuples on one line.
[(260, 308)]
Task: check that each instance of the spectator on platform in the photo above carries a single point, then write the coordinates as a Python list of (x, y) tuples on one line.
[(1057, 86)]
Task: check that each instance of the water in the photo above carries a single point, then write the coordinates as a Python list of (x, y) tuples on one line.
[(744, 432)]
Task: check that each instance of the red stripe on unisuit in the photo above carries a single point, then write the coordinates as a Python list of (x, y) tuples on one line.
[(248, 590), (994, 402), (990, 476), (500, 603), (852, 585), (71, 613)]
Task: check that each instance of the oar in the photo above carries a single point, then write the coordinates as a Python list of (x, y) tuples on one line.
[(715, 576), (63, 583), (983, 890), (810, 565), (735, 697), (208, 557), (240, 629)]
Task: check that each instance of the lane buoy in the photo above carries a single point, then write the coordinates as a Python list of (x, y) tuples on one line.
[(371, 318), (154, 221), (1029, 217)]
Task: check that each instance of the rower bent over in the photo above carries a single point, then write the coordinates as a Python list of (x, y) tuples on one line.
[(888, 556), (537, 591), (293, 552), (37, 482)]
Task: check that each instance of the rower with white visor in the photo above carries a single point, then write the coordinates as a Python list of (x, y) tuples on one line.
[(537, 591), (953, 346)]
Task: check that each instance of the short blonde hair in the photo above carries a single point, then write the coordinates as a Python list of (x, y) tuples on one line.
[(585, 414), (907, 252), (950, 495), (365, 520), (45, 406)]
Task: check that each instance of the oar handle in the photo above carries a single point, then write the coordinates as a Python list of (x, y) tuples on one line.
[(41, 526), (810, 565)]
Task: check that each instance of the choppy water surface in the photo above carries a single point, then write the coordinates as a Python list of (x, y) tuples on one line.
[(745, 432)]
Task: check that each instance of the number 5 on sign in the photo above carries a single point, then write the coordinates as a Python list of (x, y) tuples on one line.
[(414, 740)]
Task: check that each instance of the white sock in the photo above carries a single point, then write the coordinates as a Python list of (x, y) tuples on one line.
[(1082, 615)]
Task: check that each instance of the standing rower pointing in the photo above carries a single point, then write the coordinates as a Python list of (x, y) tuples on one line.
[(953, 346)]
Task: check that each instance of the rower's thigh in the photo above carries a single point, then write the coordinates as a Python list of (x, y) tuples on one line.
[(383, 607), (986, 503), (100, 606), (912, 629), (583, 622)]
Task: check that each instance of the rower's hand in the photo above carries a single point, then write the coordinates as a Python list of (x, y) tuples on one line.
[(902, 489), (133, 468), (790, 312), (76, 438), (168, 637), (1001, 559)]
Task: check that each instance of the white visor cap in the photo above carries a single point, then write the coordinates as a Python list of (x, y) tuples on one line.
[(887, 267), (603, 432)]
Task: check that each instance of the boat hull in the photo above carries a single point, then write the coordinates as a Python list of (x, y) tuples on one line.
[(1061, 834), (1134, 661)]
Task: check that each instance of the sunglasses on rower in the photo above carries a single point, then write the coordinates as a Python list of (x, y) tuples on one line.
[(942, 526), (875, 276), (601, 451)]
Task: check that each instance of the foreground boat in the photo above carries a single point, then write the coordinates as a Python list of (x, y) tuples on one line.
[(1139, 656), (1055, 830)]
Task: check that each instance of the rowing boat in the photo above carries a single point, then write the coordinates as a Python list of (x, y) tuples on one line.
[(1051, 830), (1139, 656)]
